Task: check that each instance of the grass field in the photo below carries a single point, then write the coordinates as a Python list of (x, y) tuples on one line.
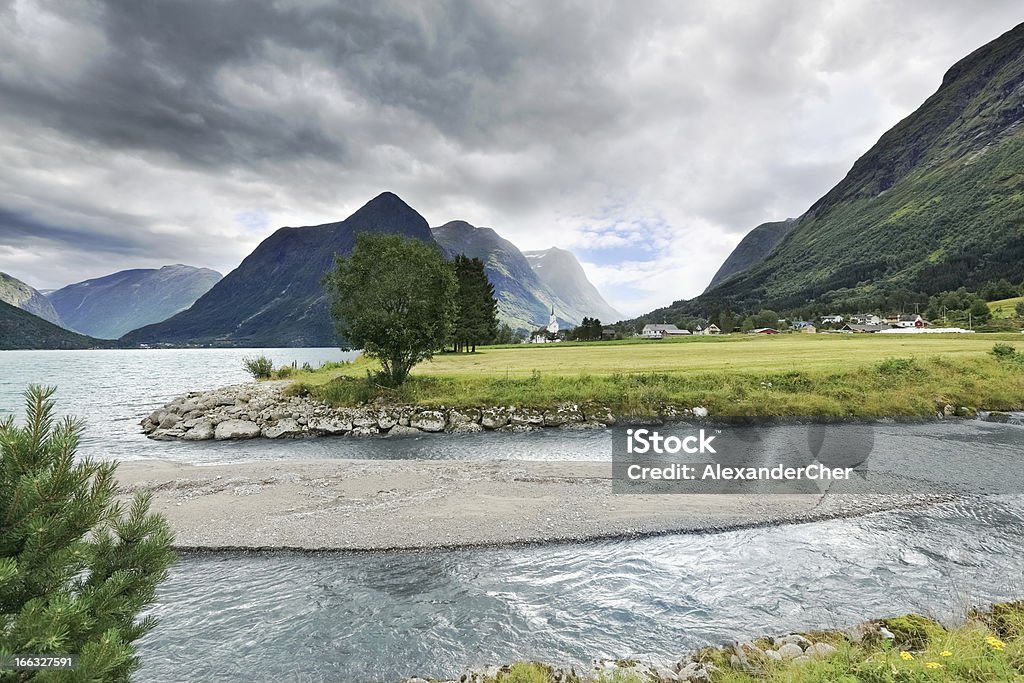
[(734, 375), (1005, 308)]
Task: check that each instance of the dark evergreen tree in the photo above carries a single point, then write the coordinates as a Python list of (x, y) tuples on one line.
[(477, 310), (76, 568)]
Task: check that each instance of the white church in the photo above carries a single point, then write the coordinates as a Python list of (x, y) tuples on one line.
[(550, 333)]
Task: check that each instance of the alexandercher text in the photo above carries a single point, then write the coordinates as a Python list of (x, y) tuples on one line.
[(718, 472)]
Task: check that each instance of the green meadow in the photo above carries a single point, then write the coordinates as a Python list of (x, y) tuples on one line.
[(789, 374)]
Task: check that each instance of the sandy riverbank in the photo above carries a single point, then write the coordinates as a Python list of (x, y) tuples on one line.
[(377, 505)]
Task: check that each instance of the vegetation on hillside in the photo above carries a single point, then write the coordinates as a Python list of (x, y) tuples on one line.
[(76, 568), (21, 330), (936, 204)]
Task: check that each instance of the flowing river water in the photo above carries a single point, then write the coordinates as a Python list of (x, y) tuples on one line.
[(384, 616)]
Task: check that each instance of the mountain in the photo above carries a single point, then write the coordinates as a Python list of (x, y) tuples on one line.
[(528, 285), (523, 300), (275, 297), (16, 293), (109, 306), (937, 203), (752, 249), (19, 329), (563, 274)]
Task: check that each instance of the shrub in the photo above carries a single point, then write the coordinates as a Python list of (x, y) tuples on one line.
[(260, 367), (76, 569), (1004, 352), (1020, 309), (899, 366)]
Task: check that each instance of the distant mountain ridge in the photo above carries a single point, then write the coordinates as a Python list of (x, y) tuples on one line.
[(275, 297), (16, 293), (937, 203), (562, 273), (20, 329), (110, 306)]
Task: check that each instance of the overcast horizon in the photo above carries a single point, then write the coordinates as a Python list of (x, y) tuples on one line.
[(646, 139)]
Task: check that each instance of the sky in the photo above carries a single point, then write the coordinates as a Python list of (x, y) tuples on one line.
[(647, 138)]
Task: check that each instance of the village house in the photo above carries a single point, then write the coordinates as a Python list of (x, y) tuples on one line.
[(910, 320), (711, 329), (866, 319), (831, 319), (653, 331), (764, 330), (853, 327)]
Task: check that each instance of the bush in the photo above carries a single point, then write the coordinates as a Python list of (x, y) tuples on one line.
[(260, 367), (1004, 352), (899, 366), (76, 569)]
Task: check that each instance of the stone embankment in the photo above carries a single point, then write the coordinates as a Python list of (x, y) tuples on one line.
[(247, 411), (701, 666)]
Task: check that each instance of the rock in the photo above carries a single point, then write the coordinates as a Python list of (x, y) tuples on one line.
[(329, 425), (494, 418), (403, 430), (363, 419), (364, 431), (700, 411), (773, 655), (463, 416), (696, 672), (284, 428), (428, 420), (595, 412), (790, 651), (236, 429), (802, 659), (156, 416), (966, 411), (465, 428), (795, 639), (170, 420), (563, 414), (200, 431), (948, 410), (386, 419), (526, 417), (820, 650)]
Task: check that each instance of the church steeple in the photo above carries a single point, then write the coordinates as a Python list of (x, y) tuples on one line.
[(553, 322)]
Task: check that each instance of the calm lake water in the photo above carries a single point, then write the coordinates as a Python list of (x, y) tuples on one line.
[(384, 616)]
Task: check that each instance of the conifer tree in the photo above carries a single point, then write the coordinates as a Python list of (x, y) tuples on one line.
[(477, 318), (76, 567)]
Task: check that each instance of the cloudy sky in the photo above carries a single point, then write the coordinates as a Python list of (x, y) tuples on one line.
[(646, 137)]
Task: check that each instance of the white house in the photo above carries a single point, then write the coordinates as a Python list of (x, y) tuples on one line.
[(831, 319), (910, 320), (866, 319), (651, 331), (710, 330)]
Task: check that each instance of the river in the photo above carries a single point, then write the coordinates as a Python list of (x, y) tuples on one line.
[(383, 616)]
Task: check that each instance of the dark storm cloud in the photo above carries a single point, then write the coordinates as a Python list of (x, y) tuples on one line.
[(187, 131)]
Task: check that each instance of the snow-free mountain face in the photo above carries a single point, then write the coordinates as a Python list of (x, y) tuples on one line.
[(109, 306), (752, 249), (17, 293), (20, 329), (276, 295), (936, 204), (527, 292), (563, 274)]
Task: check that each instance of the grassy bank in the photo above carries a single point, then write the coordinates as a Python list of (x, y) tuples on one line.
[(988, 647), (862, 375)]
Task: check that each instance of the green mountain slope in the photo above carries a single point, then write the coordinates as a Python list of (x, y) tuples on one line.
[(276, 297), (20, 329), (17, 293), (936, 203), (752, 249), (109, 306)]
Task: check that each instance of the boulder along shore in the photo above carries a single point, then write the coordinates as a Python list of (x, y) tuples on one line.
[(264, 409)]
